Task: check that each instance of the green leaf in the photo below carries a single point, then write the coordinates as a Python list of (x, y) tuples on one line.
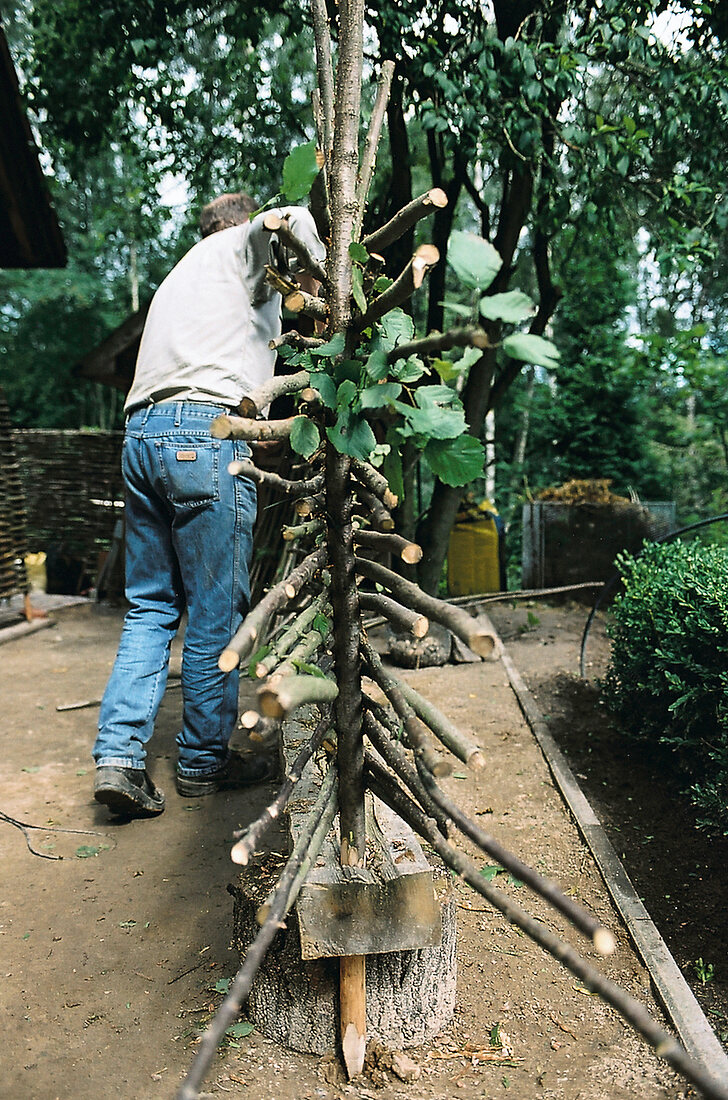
[(347, 369), (334, 347), (309, 670), (346, 394), (381, 284), (459, 310), (408, 370), (438, 413), (396, 327), (446, 369), (383, 393), (358, 253), (456, 461), (239, 1030), (352, 436), (299, 171), (376, 365), (491, 871), (473, 259), (532, 349), (222, 985), (357, 289), (305, 437), (392, 466), (257, 657), (512, 307), (324, 384), (321, 623)]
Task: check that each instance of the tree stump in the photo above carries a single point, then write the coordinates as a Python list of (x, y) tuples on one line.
[(295, 1002)]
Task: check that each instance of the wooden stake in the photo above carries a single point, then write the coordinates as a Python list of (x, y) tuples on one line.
[(353, 1015)]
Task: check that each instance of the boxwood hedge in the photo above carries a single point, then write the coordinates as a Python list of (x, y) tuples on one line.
[(668, 678)]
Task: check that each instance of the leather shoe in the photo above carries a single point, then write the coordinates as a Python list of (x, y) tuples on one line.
[(128, 792), (239, 771)]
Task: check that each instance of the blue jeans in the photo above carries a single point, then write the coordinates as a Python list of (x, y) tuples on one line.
[(189, 530)]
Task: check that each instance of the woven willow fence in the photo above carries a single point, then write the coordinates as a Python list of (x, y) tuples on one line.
[(73, 489), (13, 547)]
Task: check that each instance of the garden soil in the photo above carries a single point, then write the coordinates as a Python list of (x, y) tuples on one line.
[(112, 957)]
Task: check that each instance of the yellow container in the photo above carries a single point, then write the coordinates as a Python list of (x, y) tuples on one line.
[(472, 557)]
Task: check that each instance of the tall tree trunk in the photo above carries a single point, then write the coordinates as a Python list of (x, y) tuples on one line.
[(441, 229), (344, 598), (477, 396), (399, 253)]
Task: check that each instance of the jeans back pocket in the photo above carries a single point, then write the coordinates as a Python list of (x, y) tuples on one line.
[(190, 471)]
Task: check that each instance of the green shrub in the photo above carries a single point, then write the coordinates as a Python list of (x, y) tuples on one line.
[(668, 677)]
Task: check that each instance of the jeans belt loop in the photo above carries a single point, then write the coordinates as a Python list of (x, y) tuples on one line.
[(178, 414)]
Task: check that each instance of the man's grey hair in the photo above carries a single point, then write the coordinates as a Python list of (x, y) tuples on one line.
[(225, 211)]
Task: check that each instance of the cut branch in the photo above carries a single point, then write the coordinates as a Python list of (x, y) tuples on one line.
[(371, 145), (375, 482), (310, 506), (399, 616), (294, 339), (274, 223), (417, 734), (290, 637), (378, 513), (391, 751), (665, 1045), (243, 427), (403, 286), (479, 634), (248, 839), (436, 342), (283, 694), (287, 890), (600, 936), (266, 731), (458, 743), (310, 840), (300, 301), (246, 468), (404, 219), (277, 386), (408, 551), (302, 530), (284, 284), (302, 653), (253, 625)]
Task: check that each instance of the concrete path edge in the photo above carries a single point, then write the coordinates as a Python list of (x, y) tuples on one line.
[(676, 997)]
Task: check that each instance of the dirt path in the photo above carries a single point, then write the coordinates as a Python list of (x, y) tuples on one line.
[(110, 957)]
